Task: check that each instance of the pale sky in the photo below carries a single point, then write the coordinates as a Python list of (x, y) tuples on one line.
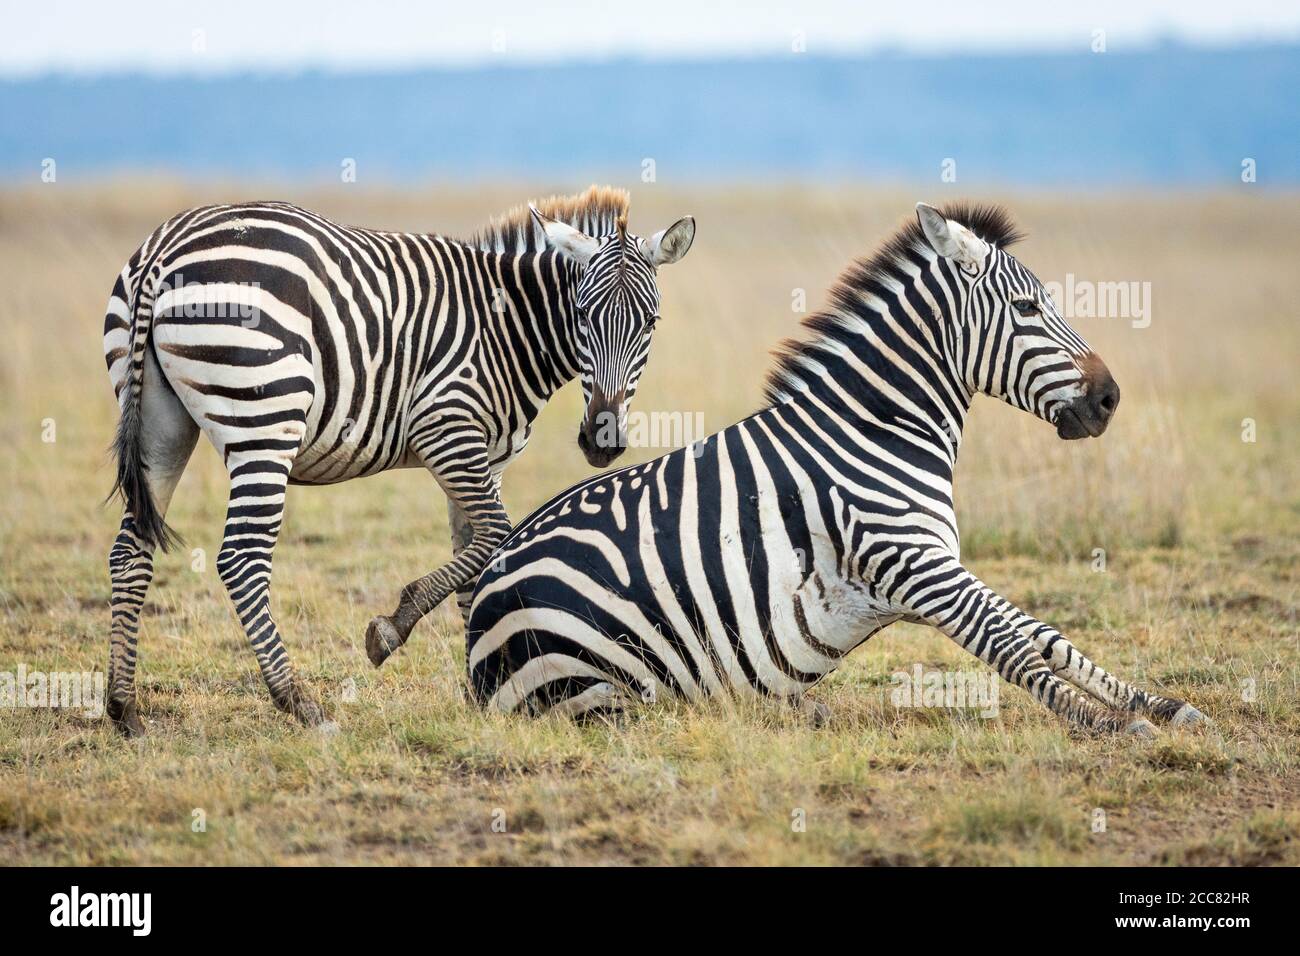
[(288, 35)]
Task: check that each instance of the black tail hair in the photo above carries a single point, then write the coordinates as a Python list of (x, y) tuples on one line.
[(131, 484)]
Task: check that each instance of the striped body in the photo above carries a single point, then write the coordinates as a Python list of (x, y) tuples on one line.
[(730, 565), (346, 348), (312, 353), (756, 560)]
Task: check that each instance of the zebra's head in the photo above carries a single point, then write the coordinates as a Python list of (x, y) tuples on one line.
[(1010, 341), (616, 308)]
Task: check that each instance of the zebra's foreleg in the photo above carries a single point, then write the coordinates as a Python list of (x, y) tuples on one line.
[(474, 491), (1066, 661), (950, 598), (462, 536)]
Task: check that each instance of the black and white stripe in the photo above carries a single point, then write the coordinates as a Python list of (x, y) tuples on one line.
[(756, 560), (313, 353)]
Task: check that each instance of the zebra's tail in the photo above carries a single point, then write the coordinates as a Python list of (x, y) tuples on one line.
[(131, 482)]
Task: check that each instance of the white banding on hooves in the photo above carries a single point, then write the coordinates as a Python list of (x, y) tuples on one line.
[(327, 728), (1188, 716), (1142, 728)]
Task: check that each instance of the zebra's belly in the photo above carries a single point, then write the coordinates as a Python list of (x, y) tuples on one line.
[(810, 626), (340, 451)]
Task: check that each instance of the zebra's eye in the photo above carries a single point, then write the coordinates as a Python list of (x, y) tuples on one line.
[(651, 322), (1025, 307)]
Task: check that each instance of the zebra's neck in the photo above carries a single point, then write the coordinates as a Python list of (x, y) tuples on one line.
[(885, 360), (534, 311), (530, 322)]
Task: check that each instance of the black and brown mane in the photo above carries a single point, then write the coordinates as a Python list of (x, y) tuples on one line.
[(598, 212), (990, 222)]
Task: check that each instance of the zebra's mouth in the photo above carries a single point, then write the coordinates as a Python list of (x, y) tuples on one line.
[(597, 455), (1075, 422)]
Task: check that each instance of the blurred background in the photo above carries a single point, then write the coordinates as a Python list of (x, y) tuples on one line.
[(1161, 93), (1148, 146), (1151, 144)]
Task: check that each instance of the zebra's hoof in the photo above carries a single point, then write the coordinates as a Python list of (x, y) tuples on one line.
[(1189, 716), (1142, 728), (382, 638), (307, 711), (816, 713), (328, 728), (126, 718), (301, 706)]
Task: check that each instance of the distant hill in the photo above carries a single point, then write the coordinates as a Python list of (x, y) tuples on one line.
[(1169, 115)]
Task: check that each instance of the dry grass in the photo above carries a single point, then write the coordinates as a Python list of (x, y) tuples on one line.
[(1200, 532)]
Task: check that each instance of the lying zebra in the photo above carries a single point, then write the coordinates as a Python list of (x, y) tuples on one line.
[(758, 559), (313, 353)]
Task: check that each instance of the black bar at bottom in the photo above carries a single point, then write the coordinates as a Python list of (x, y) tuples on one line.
[(308, 905)]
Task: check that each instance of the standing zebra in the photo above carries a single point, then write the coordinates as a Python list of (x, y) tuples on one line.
[(312, 353), (756, 560)]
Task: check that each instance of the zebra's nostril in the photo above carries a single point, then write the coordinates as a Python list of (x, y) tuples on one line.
[(1107, 403)]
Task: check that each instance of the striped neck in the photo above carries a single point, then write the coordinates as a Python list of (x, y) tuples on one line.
[(545, 283), (533, 319), (886, 357)]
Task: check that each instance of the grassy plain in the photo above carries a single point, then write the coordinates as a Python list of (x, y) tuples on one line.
[(1200, 529)]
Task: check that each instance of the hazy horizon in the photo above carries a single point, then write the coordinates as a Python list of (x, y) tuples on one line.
[(210, 37), (1172, 115)]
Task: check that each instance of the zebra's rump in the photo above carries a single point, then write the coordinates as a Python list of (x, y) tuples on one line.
[(274, 324)]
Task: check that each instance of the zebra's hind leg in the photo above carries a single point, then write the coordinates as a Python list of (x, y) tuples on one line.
[(817, 714), (167, 436), (253, 517), (590, 701)]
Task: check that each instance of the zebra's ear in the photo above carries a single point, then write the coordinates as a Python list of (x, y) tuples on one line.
[(569, 242), (950, 239), (669, 245)]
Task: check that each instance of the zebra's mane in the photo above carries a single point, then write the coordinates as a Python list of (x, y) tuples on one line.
[(597, 212), (828, 329)]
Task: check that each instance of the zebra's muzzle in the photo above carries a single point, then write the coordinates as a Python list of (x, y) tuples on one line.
[(601, 435), (597, 455), (1088, 415)]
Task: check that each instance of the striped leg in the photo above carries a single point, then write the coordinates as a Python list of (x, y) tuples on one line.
[(462, 536), (473, 490), (130, 566), (950, 598), (168, 439), (1066, 661), (257, 488)]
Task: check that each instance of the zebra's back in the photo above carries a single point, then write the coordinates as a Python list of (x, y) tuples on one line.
[(274, 324)]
